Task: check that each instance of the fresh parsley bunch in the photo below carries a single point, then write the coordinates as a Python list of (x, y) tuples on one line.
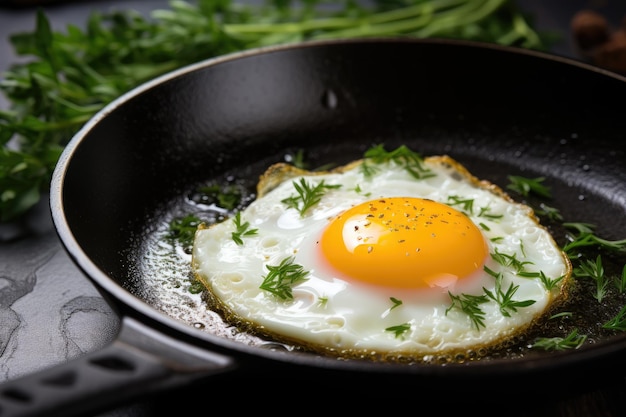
[(73, 74)]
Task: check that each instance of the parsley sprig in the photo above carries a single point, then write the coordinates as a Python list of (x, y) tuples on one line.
[(594, 270), (526, 186), (485, 212), (226, 196), (505, 298), (183, 230), (241, 230), (549, 212), (282, 277), (548, 283), (509, 260), (396, 302), (308, 195), (470, 305), (586, 237), (573, 340), (466, 204), (399, 330), (618, 322), (410, 160)]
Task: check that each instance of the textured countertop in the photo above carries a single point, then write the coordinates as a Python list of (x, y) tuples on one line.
[(50, 312)]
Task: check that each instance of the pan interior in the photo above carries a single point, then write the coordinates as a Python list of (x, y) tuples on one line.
[(498, 111)]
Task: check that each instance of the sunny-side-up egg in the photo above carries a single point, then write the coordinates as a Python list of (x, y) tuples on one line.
[(391, 257)]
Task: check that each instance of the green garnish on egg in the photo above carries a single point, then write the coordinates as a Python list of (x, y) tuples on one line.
[(281, 278), (308, 195), (242, 229)]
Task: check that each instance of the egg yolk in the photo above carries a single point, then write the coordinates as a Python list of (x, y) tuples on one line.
[(404, 242)]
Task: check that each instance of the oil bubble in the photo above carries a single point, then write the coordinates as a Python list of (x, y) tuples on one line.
[(330, 100)]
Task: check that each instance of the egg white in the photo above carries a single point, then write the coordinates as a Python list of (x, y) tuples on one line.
[(343, 317)]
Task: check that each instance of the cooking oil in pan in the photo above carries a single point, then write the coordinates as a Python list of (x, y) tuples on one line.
[(163, 275)]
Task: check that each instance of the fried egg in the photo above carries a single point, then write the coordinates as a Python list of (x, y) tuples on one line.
[(391, 257)]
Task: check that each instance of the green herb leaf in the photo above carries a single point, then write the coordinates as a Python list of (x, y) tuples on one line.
[(399, 330), (226, 196), (469, 304), (357, 189), (526, 186), (594, 270), (242, 229), (509, 260), (308, 195), (196, 287), (281, 278), (484, 212), (550, 213), (586, 238), (467, 204), (396, 302), (505, 298), (561, 314), (618, 322), (183, 230), (571, 341), (412, 161), (322, 301), (548, 283)]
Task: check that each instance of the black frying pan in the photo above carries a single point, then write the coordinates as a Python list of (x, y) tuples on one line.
[(499, 111)]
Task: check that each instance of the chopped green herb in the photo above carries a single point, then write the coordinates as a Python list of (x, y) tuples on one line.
[(283, 277), (395, 302), (561, 314), (491, 271), (297, 159), (469, 304), (411, 161), (526, 186), (225, 196), (242, 229), (196, 287), (484, 212), (586, 237), (547, 282), (505, 299), (308, 195), (399, 330), (322, 301), (571, 341), (618, 322), (359, 190), (183, 230), (549, 212), (467, 204), (509, 260), (594, 270), (368, 170)]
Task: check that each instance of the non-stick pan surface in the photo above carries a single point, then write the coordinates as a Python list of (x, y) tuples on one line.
[(499, 111)]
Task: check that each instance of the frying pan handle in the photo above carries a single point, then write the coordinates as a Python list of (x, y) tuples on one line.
[(139, 361)]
